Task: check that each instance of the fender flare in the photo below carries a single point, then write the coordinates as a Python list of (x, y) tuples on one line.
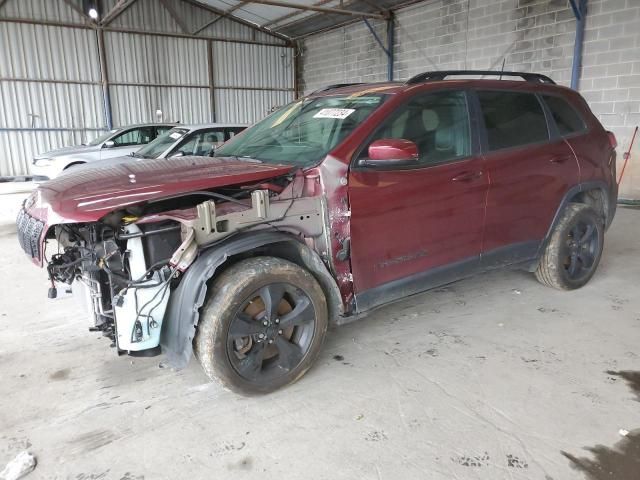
[(182, 314), (609, 211)]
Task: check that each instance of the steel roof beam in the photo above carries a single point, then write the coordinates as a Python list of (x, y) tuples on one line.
[(246, 23), (88, 26), (348, 21), (116, 11), (224, 14), (275, 21), (77, 9), (313, 8), (206, 25), (174, 14)]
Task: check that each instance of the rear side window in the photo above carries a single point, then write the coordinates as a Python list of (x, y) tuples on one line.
[(565, 116), (512, 119)]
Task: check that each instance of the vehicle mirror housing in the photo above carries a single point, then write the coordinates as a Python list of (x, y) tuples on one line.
[(109, 144), (177, 154), (391, 152)]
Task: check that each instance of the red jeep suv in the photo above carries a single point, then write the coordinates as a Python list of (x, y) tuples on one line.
[(344, 200)]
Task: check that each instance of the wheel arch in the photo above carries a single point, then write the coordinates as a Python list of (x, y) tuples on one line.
[(183, 310), (594, 193), (596, 197), (74, 163)]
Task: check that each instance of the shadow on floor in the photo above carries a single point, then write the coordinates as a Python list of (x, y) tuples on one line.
[(620, 462)]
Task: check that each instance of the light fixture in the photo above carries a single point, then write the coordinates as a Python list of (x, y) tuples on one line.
[(92, 9)]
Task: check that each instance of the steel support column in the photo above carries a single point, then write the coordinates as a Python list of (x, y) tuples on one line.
[(579, 8), (388, 50), (212, 87), (296, 70), (390, 46), (104, 78)]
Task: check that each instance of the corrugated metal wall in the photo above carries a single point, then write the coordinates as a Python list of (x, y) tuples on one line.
[(50, 79), (150, 73), (251, 80), (46, 99)]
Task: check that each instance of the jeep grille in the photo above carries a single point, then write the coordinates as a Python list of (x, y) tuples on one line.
[(29, 231)]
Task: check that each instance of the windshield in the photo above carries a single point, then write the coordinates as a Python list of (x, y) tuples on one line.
[(157, 147), (102, 138), (303, 132)]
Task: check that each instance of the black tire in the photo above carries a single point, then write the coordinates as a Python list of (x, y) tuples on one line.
[(252, 344), (574, 250)]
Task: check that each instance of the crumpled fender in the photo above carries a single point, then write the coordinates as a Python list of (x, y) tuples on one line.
[(182, 314)]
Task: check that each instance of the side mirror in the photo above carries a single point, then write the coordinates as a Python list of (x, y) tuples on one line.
[(109, 144), (391, 152), (177, 154)]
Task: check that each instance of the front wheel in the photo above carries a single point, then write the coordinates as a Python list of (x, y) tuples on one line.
[(262, 325), (574, 250)]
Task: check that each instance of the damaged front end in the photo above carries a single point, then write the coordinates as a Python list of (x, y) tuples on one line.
[(132, 260)]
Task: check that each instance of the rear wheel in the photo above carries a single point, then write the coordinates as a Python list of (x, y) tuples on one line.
[(262, 326), (574, 250)]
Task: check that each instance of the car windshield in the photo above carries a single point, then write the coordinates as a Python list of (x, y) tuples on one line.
[(157, 147), (303, 132), (102, 138)]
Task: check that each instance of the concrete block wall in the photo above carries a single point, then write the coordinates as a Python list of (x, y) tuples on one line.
[(528, 35), (346, 55)]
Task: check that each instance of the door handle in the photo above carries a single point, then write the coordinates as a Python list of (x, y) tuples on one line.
[(559, 159), (467, 176)]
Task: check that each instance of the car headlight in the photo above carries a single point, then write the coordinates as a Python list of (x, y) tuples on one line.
[(42, 162)]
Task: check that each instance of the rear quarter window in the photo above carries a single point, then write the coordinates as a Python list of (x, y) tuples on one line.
[(512, 119), (567, 119)]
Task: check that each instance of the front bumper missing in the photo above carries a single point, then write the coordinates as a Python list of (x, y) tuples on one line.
[(29, 234)]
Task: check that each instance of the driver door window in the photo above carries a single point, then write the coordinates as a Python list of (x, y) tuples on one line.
[(437, 123)]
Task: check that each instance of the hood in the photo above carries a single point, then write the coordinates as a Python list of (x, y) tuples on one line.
[(87, 194), (62, 152), (108, 162)]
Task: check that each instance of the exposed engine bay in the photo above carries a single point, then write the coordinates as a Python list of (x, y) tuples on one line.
[(130, 262)]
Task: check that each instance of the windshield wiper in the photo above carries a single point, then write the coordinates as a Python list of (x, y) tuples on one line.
[(242, 158)]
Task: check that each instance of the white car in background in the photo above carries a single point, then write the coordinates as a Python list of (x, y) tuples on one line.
[(115, 143), (181, 141), (190, 140)]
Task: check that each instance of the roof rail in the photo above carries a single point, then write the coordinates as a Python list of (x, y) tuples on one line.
[(336, 85), (442, 74)]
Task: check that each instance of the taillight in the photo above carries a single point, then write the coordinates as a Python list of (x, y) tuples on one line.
[(612, 140)]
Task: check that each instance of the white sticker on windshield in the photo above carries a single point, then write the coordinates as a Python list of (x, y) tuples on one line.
[(339, 113), (175, 135)]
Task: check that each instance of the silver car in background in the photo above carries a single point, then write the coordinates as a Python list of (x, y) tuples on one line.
[(190, 140), (115, 143), (180, 141)]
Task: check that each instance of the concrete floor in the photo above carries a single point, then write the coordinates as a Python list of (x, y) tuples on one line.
[(490, 378), (12, 194)]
